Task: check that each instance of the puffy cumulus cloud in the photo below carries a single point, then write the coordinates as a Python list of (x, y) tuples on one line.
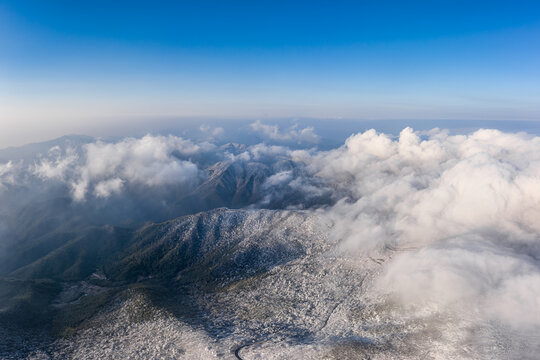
[(151, 161), (293, 134), (104, 189), (56, 164), (422, 191), (104, 168), (462, 212)]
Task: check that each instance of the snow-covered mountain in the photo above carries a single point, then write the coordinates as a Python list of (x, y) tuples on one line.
[(237, 284)]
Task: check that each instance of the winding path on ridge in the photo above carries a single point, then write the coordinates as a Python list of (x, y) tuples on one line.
[(237, 349)]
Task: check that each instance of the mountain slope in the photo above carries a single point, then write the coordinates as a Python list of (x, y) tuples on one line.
[(223, 242), (232, 284)]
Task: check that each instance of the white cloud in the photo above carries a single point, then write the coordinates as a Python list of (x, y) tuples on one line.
[(212, 131), (149, 161), (57, 165), (104, 168), (8, 173), (468, 205), (104, 189), (293, 134), (423, 190)]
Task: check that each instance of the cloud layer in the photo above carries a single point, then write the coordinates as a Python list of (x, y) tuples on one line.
[(457, 215), (462, 210)]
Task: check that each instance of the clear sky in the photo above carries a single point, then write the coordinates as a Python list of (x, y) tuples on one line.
[(70, 66)]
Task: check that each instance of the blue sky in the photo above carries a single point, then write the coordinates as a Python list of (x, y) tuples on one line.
[(66, 66)]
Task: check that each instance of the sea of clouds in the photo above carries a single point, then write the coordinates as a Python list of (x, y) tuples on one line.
[(459, 214)]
